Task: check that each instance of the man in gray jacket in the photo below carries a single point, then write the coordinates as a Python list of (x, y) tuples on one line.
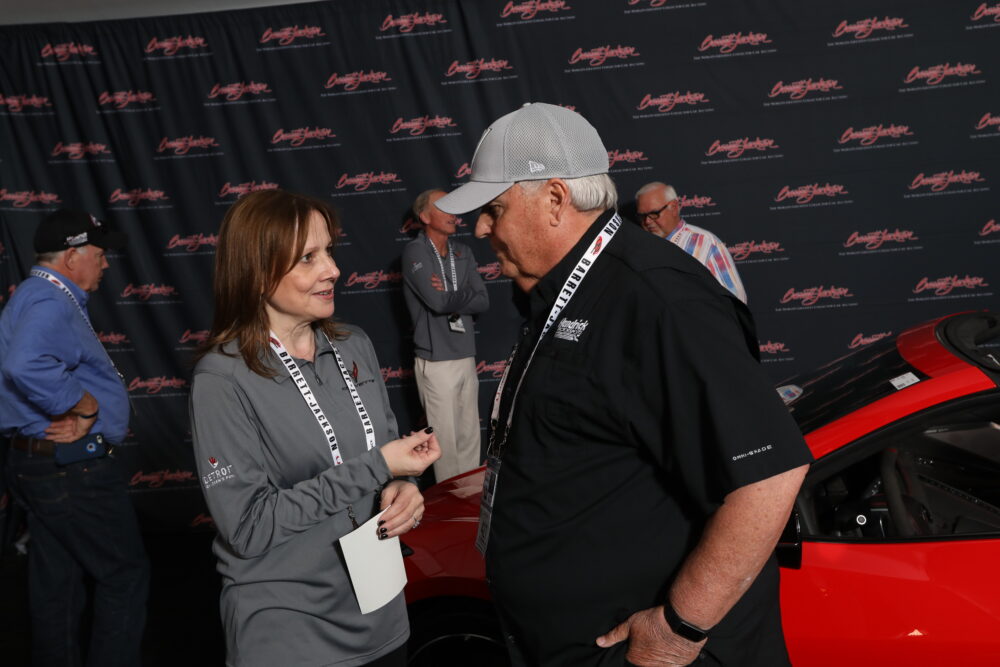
[(443, 291)]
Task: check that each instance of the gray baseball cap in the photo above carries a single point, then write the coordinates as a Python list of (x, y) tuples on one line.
[(537, 142)]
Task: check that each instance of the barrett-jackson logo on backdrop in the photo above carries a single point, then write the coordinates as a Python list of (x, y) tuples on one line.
[(352, 81), (18, 103), (239, 92), (535, 10), (171, 46), (373, 281), (112, 338), (416, 127), (944, 75), (861, 340), (288, 35), (869, 136), (78, 150), (667, 103), (697, 206), (878, 238), (127, 100), (490, 272), (412, 24), (940, 182), (303, 137), (871, 29), (395, 377), (735, 150), (156, 385), (473, 69), (817, 297), (137, 197), (363, 183), (650, 5), (619, 159), (771, 351), (798, 90), (192, 243), (158, 478), (804, 196), (754, 252), (181, 147), (734, 44), (493, 370), (63, 52), (945, 287), (25, 198), (196, 337), (599, 56), (991, 229), (985, 15), (985, 124), (149, 293), (237, 190)]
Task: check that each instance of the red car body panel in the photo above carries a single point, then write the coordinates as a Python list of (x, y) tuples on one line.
[(851, 596), (851, 602)]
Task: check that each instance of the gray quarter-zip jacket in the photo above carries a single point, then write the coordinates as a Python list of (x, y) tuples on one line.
[(280, 505)]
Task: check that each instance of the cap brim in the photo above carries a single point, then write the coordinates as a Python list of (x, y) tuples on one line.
[(471, 196)]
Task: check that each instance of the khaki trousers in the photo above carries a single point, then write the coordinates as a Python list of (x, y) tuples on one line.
[(449, 393)]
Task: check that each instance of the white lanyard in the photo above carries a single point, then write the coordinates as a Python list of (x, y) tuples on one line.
[(45, 275), (451, 257), (569, 288), (314, 407)]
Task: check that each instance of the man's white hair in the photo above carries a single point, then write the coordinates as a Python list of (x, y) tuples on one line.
[(668, 190), (54, 256), (587, 193)]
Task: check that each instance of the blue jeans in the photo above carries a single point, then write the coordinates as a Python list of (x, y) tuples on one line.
[(82, 525)]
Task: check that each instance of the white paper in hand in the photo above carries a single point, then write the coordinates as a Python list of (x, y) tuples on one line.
[(375, 566)]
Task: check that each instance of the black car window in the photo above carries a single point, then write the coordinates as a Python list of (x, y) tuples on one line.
[(938, 482)]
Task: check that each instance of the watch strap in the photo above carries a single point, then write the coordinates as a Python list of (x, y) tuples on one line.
[(680, 627)]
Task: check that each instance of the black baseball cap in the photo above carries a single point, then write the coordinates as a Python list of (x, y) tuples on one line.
[(70, 228)]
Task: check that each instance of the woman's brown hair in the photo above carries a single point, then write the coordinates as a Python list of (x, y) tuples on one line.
[(261, 237)]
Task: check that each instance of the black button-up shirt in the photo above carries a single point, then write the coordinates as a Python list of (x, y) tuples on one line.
[(644, 406)]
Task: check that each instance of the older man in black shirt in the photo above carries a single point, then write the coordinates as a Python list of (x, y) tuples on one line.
[(641, 464)]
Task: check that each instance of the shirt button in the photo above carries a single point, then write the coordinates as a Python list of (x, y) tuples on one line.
[(525, 331)]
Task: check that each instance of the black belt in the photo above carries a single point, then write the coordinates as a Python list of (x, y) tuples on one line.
[(34, 446)]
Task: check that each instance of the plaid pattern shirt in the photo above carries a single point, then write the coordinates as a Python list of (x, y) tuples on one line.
[(708, 249)]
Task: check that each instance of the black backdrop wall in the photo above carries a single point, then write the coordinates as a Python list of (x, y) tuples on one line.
[(847, 152)]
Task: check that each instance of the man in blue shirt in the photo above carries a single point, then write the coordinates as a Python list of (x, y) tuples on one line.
[(64, 406)]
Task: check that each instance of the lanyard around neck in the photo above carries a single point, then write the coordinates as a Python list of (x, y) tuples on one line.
[(307, 395), (451, 258), (567, 292), (52, 278)]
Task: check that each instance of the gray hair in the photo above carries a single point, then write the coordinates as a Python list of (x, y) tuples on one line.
[(54, 256), (668, 190), (422, 201), (587, 193)]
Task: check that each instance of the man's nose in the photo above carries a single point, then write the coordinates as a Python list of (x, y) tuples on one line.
[(483, 226)]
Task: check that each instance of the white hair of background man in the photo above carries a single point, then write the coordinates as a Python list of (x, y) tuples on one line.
[(587, 193), (668, 190)]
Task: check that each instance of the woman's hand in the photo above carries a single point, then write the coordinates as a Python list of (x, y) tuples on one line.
[(407, 508), (410, 456)]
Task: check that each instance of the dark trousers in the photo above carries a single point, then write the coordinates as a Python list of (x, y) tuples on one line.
[(82, 525)]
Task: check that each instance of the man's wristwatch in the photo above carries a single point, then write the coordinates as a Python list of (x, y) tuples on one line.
[(682, 628)]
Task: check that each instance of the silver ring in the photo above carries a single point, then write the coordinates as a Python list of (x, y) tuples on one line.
[(416, 523)]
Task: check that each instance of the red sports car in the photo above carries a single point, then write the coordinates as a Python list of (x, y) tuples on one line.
[(890, 557)]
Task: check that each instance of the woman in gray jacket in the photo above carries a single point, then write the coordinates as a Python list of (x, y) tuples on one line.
[(296, 444)]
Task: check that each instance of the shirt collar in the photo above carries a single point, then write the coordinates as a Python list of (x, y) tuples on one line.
[(544, 294), (281, 375), (81, 296), (676, 230)]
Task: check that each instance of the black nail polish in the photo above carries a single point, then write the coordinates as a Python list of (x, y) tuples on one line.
[(383, 530), (429, 430), (381, 521)]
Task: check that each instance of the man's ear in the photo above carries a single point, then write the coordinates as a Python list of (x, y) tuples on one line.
[(557, 199)]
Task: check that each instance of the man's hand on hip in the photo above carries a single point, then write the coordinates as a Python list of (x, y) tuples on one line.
[(651, 642), (69, 427)]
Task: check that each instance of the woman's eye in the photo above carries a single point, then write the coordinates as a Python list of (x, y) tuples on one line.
[(306, 258)]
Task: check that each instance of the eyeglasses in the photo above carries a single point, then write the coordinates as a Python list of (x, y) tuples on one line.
[(652, 214)]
